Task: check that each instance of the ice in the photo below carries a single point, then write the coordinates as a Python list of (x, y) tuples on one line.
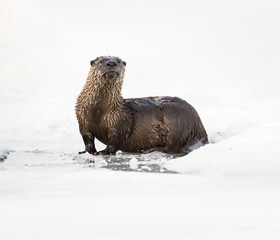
[(133, 163), (220, 56)]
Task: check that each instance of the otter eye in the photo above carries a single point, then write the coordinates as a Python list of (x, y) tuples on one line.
[(124, 63)]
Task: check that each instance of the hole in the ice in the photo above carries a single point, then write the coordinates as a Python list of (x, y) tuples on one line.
[(152, 162)]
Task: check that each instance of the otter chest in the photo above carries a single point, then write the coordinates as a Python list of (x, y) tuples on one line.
[(101, 123)]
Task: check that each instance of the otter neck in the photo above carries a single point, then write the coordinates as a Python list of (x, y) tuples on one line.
[(109, 95), (104, 93)]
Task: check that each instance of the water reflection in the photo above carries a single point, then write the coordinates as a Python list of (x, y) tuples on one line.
[(152, 162)]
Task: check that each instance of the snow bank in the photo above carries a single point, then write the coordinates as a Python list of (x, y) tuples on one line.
[(68, 203), (253, 151)]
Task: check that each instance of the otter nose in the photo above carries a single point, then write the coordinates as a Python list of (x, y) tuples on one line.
[(111, 63)]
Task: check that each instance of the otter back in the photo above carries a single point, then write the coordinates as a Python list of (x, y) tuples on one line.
[(167, 124)]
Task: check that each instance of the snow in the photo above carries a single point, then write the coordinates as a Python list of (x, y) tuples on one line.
[(253, 151), (220, 56)]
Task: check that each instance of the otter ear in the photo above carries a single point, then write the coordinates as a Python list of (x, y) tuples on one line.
[(124, 63), (91, 62)]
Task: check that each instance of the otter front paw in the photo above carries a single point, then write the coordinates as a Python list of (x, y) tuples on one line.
[(90, 149), (109, 150)]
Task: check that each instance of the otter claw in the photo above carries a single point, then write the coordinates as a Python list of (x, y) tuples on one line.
[(90, 152), (104, 152)]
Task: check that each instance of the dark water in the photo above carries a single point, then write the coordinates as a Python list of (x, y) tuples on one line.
[(151, 162)]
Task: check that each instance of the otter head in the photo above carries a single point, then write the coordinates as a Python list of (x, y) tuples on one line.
[(109, 68)]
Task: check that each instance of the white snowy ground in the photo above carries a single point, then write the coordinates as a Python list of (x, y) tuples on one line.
[(221, 56)]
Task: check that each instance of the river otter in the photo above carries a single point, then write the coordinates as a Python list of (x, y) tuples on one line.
[(136, 125)]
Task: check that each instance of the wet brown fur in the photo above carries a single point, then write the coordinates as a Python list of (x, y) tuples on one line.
[(167, 124)]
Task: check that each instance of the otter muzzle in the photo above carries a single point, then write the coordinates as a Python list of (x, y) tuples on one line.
[(111, 75)]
